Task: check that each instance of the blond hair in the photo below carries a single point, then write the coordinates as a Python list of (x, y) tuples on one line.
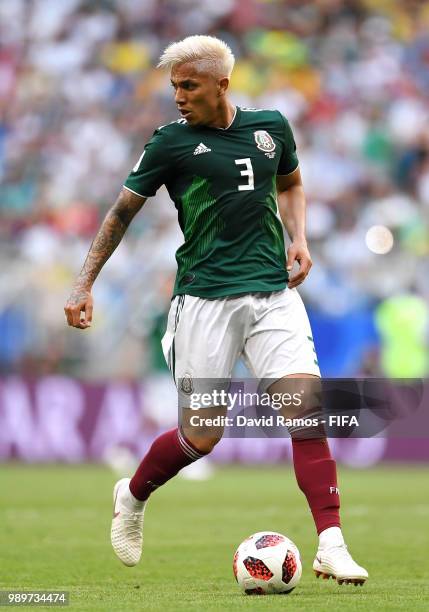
[(209, 53)]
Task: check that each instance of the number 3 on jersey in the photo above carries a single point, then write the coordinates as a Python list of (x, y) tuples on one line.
[(247, 172)]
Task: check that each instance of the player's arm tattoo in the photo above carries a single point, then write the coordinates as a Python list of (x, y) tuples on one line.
[(107, 239)]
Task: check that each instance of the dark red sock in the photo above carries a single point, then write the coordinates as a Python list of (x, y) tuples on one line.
[(316, 475), (168, 454)]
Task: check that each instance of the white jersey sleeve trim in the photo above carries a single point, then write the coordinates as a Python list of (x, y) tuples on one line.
[(139, 194), (292, 171)]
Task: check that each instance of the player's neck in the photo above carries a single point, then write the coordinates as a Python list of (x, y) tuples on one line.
[(224, 117)]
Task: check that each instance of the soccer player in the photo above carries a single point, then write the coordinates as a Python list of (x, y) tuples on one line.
[(224, 167)]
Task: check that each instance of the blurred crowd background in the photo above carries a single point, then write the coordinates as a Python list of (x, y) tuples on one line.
[(79, 97)]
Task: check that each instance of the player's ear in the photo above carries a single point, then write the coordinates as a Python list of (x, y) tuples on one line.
[(223, 85)]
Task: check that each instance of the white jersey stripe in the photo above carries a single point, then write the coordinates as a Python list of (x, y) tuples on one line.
[(193, 454), (139, 194)]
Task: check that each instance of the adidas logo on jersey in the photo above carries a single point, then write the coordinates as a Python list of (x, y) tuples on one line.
[(201, 149)]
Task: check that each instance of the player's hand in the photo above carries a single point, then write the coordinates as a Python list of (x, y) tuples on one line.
[(298, 251), (79, 308)]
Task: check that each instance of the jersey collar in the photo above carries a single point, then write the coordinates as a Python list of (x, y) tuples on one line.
[(234, 120)]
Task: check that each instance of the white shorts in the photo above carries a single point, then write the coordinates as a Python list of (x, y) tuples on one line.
[(272, 333)]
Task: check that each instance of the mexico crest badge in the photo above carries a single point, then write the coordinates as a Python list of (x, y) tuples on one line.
[(265, 143), (186, 384)]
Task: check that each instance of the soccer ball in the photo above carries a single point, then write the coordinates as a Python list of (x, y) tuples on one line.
[(267, 562)]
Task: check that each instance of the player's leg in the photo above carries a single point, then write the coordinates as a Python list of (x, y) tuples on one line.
[(169, 453), (316, 475), (202, 342), (280, 349), (315, 469), (201, 345)]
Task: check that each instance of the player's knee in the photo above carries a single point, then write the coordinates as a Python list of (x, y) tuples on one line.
[(204, 444), (204, 429)]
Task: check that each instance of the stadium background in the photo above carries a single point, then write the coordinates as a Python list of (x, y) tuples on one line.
[(79, 96)]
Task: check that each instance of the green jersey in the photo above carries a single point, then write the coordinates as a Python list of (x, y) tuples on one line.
[(223, 184)]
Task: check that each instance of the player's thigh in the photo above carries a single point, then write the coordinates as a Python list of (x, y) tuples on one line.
[(201, 345), (281, 341), (203, 337)]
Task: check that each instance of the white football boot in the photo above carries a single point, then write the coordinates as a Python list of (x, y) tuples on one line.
[(127, 524), (336, 562)]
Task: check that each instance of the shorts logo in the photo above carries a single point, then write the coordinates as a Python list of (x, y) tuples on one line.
[(186, 384), (265, 143)]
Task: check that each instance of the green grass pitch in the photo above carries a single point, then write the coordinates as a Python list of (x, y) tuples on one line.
[(55, 522)]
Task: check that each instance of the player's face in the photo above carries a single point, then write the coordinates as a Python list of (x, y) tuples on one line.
[(197, 94)]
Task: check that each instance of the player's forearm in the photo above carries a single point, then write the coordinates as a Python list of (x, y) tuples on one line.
[(108, 237), (292, 208)]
